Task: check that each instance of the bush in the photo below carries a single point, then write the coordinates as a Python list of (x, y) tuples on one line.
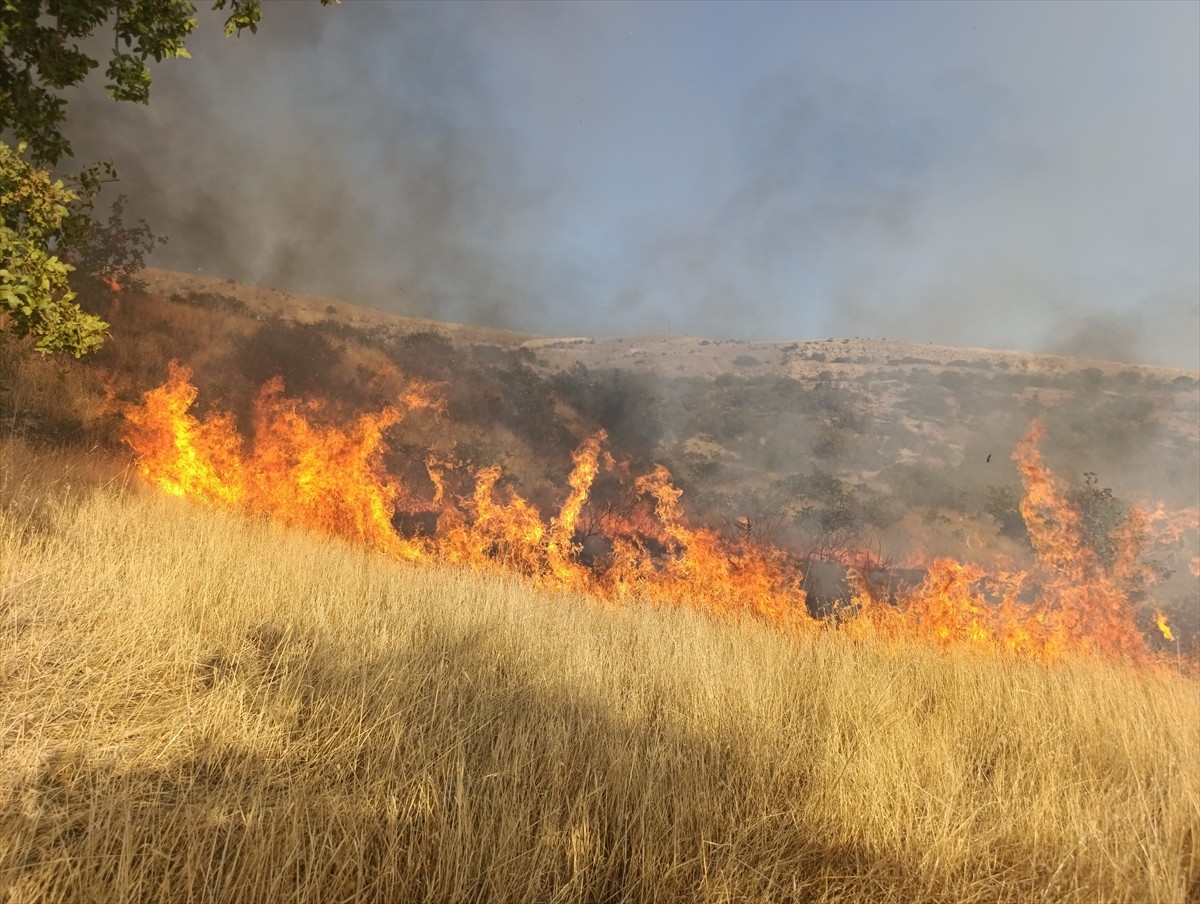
[(1003, 506), (299, 352), (827, 513), (212, 301), (623, 403), (529, 408), (426, 354)]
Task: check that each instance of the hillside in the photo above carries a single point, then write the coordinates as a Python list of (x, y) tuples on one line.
[(197, 705), (434, 623), (878, 455), (665, 353)]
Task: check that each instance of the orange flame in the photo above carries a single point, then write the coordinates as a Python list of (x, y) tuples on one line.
[(1085, 608), (294, 471), (180, 454), (304, 471)]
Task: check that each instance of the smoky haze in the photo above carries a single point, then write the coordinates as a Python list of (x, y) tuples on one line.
[(357, 156), (977, 175)]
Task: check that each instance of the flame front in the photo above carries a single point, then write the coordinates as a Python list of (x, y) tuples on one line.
[(180, 454), (330, 479), (304, 471)]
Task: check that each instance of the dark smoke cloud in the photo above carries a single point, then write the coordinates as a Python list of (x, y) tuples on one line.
[(386, 178)]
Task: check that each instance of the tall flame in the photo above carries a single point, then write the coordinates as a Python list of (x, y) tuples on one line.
[(305, 471), (1084, 606), (294, 471)]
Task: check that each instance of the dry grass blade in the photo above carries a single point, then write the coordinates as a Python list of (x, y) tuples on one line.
[(200, 707)]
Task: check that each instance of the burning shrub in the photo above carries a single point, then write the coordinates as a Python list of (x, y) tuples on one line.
[(426, 354), (300, 353), (1109, 529), (623, 404), (1109, 532)]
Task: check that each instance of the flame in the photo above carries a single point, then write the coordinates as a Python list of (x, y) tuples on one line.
[(1160, 619), (304, 469), (1170, 527), (1084, 607), (294, 471), (180, 454)]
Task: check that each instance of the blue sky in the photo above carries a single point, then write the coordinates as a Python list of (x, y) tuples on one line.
[(1003, 175)]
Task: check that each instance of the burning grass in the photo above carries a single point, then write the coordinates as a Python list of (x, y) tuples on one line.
[(208, 706), (303, 470)]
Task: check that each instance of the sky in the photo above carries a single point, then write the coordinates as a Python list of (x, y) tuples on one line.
[(1000, 175)]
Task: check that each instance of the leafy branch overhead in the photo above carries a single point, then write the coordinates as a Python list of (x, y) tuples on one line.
[(44, 222), (34, 292)]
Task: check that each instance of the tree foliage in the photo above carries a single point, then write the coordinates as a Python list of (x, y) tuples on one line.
[(113, 252), (34, 292), (44, 221)]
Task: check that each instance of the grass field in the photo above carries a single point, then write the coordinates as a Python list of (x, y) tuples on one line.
[(201, 707)]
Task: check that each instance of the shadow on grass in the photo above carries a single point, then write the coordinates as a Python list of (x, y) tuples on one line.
[(435, 770)]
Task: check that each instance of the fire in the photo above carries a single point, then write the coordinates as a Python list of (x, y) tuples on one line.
[(1160, 619), (296, 472), (180, 454), (1084, 606), (304, 469)]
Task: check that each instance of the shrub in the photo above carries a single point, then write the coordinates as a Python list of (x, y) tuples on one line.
[(426, 354), (301, 353), (212, 301)]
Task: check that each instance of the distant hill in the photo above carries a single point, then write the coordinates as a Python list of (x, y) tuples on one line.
[(670, 354)]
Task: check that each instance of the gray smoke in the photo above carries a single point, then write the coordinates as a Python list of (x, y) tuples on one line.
[(348, 152), (1006, 176)]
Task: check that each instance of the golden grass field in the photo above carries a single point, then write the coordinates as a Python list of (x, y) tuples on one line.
[(203, 707)]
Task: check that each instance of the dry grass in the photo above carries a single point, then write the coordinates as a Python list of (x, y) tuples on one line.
[(205, 708)]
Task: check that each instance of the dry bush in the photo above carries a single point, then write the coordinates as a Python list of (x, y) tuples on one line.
[(48, 396), (208, 708), (59, 399)]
